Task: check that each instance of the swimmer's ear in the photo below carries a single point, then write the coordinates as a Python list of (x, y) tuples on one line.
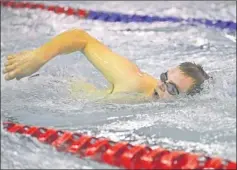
[(195, 90)]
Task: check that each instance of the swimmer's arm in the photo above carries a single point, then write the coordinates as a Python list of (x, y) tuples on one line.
[(116, 69)]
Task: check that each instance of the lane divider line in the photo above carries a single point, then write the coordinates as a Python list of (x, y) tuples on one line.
[(119, 17), (119, 154)]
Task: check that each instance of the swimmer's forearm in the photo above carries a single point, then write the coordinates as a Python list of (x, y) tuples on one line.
[(66, 42)]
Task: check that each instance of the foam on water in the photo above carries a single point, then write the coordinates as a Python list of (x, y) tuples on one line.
[(203, 123)]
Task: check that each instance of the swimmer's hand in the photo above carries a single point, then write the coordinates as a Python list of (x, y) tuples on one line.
[(23, 64)]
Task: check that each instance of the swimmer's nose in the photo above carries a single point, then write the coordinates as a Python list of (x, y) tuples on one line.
[(162, 87)]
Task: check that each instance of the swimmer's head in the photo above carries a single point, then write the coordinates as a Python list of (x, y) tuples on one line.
[(185, 78)]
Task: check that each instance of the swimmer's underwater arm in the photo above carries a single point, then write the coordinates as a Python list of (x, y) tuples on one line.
[(119, 71)]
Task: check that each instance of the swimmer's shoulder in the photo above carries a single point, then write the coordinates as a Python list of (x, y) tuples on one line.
[(142, 83)]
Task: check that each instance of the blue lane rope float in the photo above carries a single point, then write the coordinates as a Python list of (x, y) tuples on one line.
[(120, 17)]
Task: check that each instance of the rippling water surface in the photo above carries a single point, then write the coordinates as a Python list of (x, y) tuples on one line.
[(205, 123)]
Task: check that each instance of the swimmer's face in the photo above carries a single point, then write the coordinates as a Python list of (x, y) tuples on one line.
[(172, 83)]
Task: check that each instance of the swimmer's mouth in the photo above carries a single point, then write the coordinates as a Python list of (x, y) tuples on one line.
[(156, 94)]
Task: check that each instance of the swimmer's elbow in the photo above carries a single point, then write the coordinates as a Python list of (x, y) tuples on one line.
[(80, 38), (78, 31), (71, 41), (81, 34)]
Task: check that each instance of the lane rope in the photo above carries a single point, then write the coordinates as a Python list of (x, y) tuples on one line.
[(119, 154), (120, 17)]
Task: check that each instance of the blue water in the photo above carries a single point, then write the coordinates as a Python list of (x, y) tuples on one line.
[(204, 123)]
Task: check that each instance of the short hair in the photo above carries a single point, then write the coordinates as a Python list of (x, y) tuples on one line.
[(196, 72)]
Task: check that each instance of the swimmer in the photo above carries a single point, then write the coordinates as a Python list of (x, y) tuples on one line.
[(121, 73)]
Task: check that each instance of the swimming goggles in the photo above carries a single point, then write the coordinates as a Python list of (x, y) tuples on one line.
[(170, 87)]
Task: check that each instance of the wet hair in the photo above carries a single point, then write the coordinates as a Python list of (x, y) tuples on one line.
[(196, 72)]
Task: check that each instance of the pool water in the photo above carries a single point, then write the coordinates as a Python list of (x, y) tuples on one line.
[(203, 123)]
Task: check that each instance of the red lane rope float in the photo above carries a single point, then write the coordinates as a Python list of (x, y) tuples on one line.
[(120, 154), (57, 9)]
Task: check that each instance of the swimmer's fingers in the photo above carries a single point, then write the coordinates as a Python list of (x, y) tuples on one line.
[(17, 73), (9, 62), (11, 75), (13, 57), (9, 68), (14, 74), (10, 57), (22, 65)]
